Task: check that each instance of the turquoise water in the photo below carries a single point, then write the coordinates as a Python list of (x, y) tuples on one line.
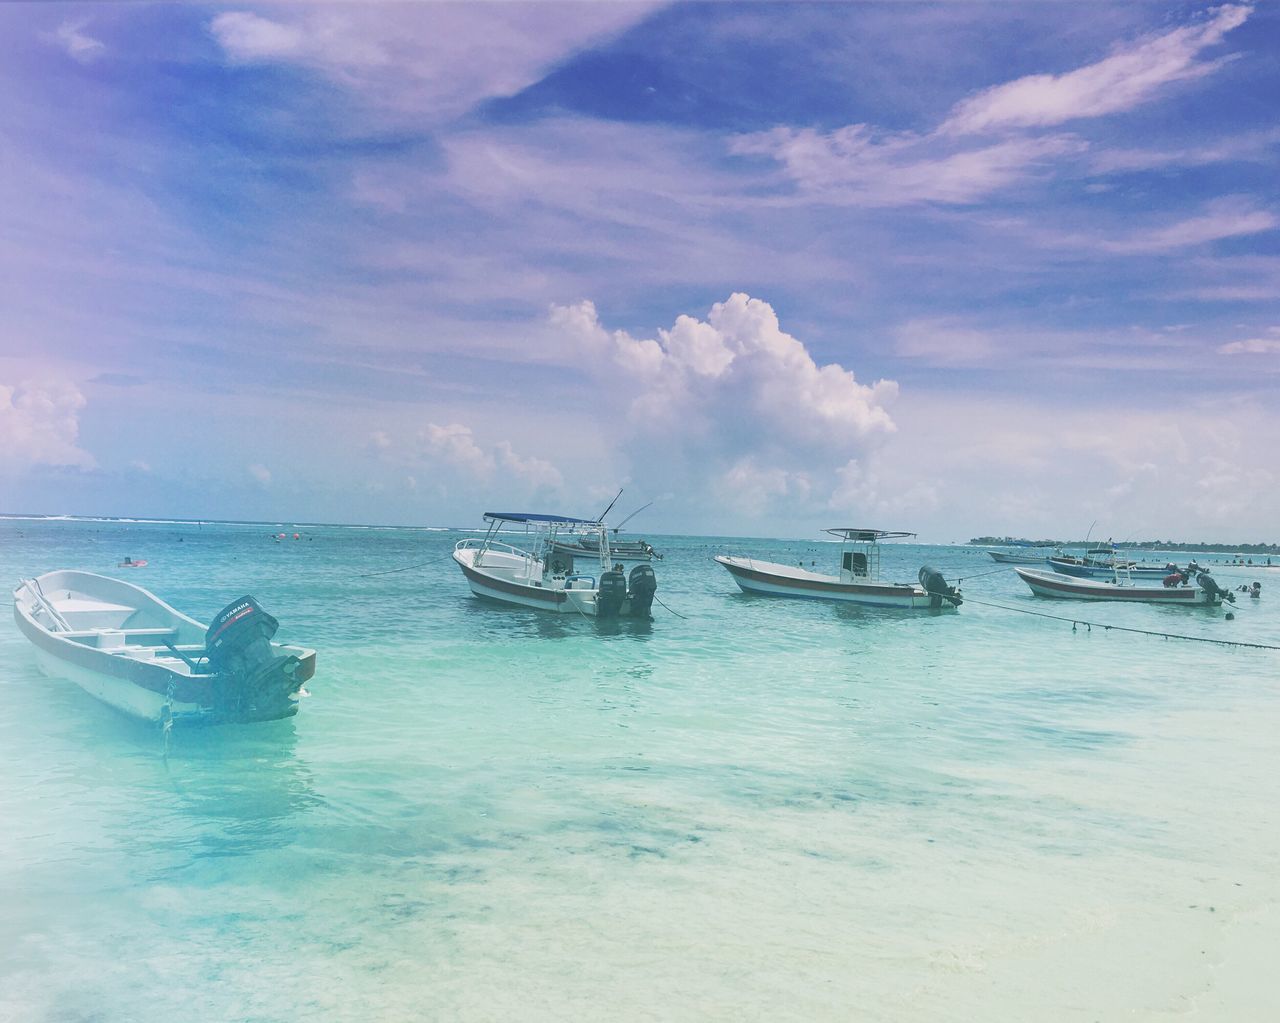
[(763, 810)]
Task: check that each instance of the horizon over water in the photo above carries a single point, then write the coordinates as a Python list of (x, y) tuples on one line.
[(748, 809)]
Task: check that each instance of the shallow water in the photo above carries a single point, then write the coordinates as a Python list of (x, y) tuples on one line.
[(761, 810)]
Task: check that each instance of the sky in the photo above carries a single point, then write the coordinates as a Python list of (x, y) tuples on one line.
[(957, 268)]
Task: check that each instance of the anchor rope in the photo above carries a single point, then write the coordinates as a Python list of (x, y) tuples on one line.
[(1124, 628), (674, 612)]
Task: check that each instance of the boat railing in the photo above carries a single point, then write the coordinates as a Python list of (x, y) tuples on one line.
[(473, 543)]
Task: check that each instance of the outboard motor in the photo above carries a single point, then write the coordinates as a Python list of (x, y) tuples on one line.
[(613, 591), (937, 588), (643, 585), (1211, 587), (251, 677)]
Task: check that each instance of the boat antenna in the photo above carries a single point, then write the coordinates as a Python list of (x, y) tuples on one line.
[(618, 527), (610, 508), (1090, 533)]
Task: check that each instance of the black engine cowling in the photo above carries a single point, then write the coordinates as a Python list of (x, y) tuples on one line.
[(1211, 587), (251, 679), (613, 591), (936, 586), (643, 584)]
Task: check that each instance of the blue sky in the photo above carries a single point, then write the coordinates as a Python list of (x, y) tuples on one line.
[(958, 268)]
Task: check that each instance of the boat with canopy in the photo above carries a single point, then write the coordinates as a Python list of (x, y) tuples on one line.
[(857, 581), (567, 565)]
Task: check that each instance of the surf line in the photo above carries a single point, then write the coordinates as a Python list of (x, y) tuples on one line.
[(1124, 628)]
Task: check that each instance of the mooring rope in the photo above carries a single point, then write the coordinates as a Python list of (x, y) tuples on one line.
[(407, 568), (1123, 628), (676, 613)]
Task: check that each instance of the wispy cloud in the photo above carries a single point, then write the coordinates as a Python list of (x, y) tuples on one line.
[(1130, 76), (1229, 217), (1251, 147), (77, 43), (1267, 345), (430, 61), (855, 166)]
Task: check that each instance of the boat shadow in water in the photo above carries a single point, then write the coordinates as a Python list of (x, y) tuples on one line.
[(497, 620), (241, 790)]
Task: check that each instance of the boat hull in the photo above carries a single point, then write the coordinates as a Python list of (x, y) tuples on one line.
[(1004, 558), (509, 591), (1106, 571), (1053, 584), (772, 580)]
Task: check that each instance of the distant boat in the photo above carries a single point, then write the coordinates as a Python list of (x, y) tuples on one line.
[(1053, 584), (1023, 557), (857, 581), (556, 571), (133, 651), (1102, 562)]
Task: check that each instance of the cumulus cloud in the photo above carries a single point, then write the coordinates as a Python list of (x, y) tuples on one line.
[(456, 445), (733, 402), (40, 425), (1128, 77), (1269, 345)]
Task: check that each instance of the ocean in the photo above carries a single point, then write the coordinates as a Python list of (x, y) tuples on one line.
[(746, 809)]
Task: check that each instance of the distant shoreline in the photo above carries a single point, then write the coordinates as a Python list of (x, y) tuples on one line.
[(1147, 545)]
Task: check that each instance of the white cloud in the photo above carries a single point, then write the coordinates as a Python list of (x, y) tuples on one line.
[(1269, 345), (943, 341), (1228, 217), (1252, 147), (456, 445), (732, 402), (854, 166), (260, 473), (431, 61), (40, 425), (79, 46), (1128, 77)]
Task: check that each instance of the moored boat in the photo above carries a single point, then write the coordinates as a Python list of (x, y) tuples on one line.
[(1102, 563), (1054, 584), (127, 647), (1023, 557), (554, 573), (857, 581)]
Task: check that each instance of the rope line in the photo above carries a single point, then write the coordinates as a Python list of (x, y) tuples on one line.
[(676, 613), (1124, 628), (407, 568)]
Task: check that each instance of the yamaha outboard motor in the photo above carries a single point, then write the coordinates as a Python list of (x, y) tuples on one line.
[(252, 680), (643, 585), (937, 588), (1211, 587), (613, 591)]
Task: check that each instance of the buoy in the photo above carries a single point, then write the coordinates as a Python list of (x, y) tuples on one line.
[(297, 536)]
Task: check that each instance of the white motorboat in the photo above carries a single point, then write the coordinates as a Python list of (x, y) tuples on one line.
[(556, 571), (134, 652), (857, 581), (1054, 584)]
